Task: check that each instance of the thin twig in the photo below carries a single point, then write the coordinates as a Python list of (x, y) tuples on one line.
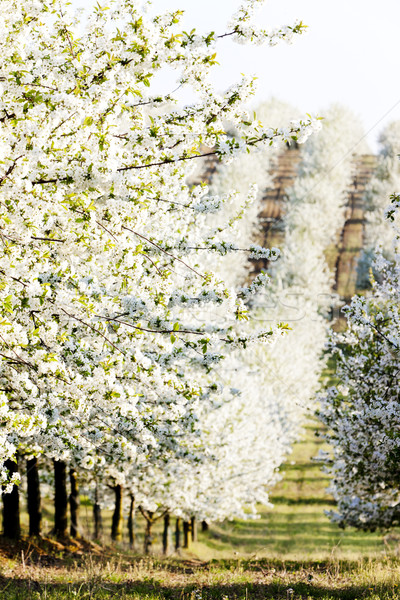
[(43, 239), (166, 162), (133, 167), (105, 229), (10, 170), (164, 331), (153, 263), (20, 360), (224, 35), (93, 329), (64, 121), (48, 87), (165, 252)]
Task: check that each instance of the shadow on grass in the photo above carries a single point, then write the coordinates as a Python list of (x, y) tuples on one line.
[(295, 536), (25, 589), (299, 501), (302, 466)]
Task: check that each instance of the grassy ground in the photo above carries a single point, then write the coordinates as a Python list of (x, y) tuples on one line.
[(292, 552), (129, 579), (296, 528)]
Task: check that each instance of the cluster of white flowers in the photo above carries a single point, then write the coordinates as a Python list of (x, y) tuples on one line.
[(209, 204), (362, 412), (259, 253), (258, 283), (243, 27), (299, 131)]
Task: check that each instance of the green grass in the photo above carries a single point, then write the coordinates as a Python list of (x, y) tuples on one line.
[(297, 527)]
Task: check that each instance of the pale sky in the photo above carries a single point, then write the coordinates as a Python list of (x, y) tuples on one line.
[(350, 54)]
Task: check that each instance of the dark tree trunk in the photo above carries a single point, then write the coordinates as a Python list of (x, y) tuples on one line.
[(166, 531), (177, 534), (148, 538), (116, 526), (11, 517), (193, 528), (204, 526), (131, 522), (74, 503), (98, 521), (60, 499), (34, 500), (186, 534)]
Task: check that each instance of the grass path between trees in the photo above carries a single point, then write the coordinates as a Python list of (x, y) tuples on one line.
[(297, 527), (292, 552)]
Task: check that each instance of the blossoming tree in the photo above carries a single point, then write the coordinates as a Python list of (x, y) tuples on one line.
[(105, 338), (361, 412)]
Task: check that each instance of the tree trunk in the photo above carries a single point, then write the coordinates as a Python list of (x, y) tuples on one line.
[(186, 534), (204, 526), (11, 517), (60, 499), (98, 521), (74, 503), (116, 527), (148, 538), (34, 500), (177, 534), (166, 532), (131, 522), (193, 527)]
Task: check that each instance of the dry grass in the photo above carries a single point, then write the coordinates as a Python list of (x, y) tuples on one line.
[(126, 577)]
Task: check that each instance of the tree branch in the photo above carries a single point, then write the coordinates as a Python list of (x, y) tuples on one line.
[(43, 239), (93, 329), (166, 162), (10, 170), (165, 252)]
